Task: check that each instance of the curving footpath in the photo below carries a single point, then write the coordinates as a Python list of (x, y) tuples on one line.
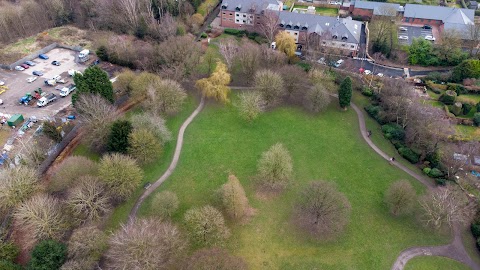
[(173, 164), (455, 250)]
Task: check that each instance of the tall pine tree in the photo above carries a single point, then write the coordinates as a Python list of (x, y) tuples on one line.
[(118, 137), (95, 81), (345, 93)]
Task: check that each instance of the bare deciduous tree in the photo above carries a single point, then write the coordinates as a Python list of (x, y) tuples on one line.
[(397, 98), (400, 198), (322, 211), (271, 86), (42, 215), (96, 114), (154, 123), (17, 185), (87, 241), (72, 168), (163, 28), (165, 204), (228, 48), (144, 147), (120, 174), (316, 99), (473, 34), (177, 57), (275, 167), (269, 25), (214, 258), (456, 156), (293, 79), (249, 58), (165, 97), (250, 105), (88, 200), (234, 200), (147, 244), (206, 226), (445, 207)]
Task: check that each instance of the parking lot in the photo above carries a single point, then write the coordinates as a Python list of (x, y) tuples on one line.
[(412, 32), (17, 84)]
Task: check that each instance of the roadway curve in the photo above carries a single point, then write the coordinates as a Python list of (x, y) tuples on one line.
[(173, 164)]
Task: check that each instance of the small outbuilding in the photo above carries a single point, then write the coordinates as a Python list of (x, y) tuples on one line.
[(15, 120)]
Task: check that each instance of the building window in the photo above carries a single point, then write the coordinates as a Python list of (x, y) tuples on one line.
[(295, 34), (352, 46), (237, 20), (244, 21), (258, 17), (230, 20), (244, 15), (224, 13), (343, 45), (231, 14), (324, 42), (237, 15), (258, 23), (224, 19)]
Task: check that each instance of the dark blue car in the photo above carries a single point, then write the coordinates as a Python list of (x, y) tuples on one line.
[(43, 56), (37, 73)]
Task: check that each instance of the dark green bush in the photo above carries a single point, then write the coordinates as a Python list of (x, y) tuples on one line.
[(449, 97), (234, 32), (427, 170), (7, 265), (466, 107), (48, 255), (393, 131), (433, 158), (305, 66), (476, 119), (477, 107), (435, 173), (366, 91), (409, 155), (436, 90), (475, 228), (440, 181), (204, 35), (398, 144), (457, 88), (373, 110)]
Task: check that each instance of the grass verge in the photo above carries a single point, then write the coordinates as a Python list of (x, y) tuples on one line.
[(434, 263)]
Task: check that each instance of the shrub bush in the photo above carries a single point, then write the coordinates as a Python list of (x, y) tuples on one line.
[(456, 108), (475, 228), (457, 88), (409, 155), (398, 144), (204, 35), (440, 181), (373, 110), (477, 107), (476, 119), (305, 66), (427, 170), (449, 97), (393, 131), (466, 108), (435, 173), (234, 32), (366, 91)]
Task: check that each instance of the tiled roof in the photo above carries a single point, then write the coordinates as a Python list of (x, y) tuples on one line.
[(379, 8), (251, 6), (454, 15)]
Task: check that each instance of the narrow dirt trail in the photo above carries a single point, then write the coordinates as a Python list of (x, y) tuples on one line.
[(173, 164)]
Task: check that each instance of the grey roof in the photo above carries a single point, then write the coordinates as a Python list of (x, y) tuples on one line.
[(379, 8), (445, 14), (341, 27), (247, 5)]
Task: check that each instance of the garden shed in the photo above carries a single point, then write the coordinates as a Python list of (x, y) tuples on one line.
[(15, 120)]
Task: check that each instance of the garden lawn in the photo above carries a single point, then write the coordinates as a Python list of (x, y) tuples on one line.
[(321, 10), (325, 147), (434, 263), (473, 99)]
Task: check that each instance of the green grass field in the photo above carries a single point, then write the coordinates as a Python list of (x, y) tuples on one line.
[(321, 10), (323, 147), (434, 263), (471, 98)]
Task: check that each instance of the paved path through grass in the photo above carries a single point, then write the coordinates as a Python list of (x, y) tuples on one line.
[(173, 164)]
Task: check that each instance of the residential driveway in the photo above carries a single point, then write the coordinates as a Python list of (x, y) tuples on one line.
[(412, 32), (18, 86)]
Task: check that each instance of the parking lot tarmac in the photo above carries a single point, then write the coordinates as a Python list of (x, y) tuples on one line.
[(17, 84)]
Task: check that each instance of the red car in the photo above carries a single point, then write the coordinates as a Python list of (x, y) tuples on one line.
[(25, 66)]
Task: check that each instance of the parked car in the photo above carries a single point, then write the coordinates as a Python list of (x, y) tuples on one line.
[(403, 29), (30, 63), (367, 72), (430, 38), (37, 73), (426, 26), (25, 66), (403, 37), (56, 63), (31, 79), (45, 100), (67, 90), (339, 63), (2, 83), (19, 68), (96, 62), (380, 75), (322, 61), (43, 56)]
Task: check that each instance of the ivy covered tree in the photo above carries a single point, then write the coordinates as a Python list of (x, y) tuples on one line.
[(95, 81), (118, 138), (345, 92), (48, 255)]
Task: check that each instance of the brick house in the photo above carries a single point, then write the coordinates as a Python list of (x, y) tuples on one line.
[(244, 14), (447, 18), (368, 9)]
